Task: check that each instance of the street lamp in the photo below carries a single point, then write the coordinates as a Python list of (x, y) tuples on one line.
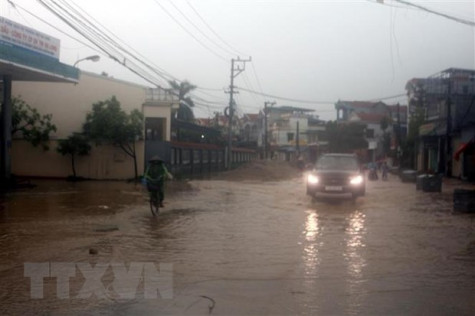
[(93, 58)]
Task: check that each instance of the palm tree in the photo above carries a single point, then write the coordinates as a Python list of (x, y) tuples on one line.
[(182, 90)]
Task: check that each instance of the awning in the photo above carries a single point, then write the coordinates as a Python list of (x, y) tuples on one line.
[(23, 65), (432, 129), (461, 149)]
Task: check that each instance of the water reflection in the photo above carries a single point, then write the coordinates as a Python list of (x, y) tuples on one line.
[(354, 256), (311, 226), (311, 249)]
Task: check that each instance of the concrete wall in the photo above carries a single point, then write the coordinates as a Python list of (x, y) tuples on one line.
[(69, 104), (104, 162)]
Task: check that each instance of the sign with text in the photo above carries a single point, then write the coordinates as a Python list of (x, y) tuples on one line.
[(12, 33)]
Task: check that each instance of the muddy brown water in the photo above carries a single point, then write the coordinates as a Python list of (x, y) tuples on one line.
[(244, 248)]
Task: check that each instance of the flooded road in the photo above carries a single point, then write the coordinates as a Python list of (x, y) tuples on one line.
[(242, 248)]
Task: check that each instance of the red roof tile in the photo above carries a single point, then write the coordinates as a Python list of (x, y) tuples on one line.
[(370, 117)]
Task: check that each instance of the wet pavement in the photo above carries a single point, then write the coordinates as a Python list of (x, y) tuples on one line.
[(242, 248)]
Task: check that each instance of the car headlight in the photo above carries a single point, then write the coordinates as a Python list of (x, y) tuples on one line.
[(312, 179), (357, 180)]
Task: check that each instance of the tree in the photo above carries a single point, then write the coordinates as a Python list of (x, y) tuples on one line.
[(108, 123), (412, 140), (185, 109), (30, 124), (345, 138), (75, 145)]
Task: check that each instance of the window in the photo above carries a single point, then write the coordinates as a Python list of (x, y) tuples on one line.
[(290, 137)]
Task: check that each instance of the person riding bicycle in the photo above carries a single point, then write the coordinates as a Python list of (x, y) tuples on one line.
[(385, 169), (155, 175)]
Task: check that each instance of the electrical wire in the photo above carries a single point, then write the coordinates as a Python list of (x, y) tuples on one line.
[(16, 6), (250, 87), (444, 15), (224, 49), (188, 32), (102, 41), (284, 98), (213, 31), (112, 39), (389, 97), (161, 72), (105, 42), (93, 35), (257, 78)]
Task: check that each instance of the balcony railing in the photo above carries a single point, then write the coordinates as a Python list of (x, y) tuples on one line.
[(159, 94)]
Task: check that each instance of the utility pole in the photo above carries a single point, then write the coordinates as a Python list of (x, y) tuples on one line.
[(448, 131), (6, 133), (398, 134), (266, 143), (297, 139), (237, 66)]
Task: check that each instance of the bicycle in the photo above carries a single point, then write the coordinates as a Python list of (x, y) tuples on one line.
[(153, 188)]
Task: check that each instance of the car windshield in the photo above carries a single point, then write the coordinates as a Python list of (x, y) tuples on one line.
[(337, 163)]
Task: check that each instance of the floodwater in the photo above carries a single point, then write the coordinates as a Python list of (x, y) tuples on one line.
[(242, 248)]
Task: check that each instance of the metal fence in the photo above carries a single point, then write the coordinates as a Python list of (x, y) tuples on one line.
[(194, 159)]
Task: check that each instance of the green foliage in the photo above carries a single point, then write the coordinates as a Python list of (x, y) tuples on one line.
[(30, 124), (384, 124), (75, 145), (409, 145), (181, 90), (345, 138), (108, 123)]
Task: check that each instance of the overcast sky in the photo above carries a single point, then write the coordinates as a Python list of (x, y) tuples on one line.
[(320, 51)]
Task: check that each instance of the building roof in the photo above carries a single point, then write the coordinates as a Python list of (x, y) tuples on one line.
[(251, 116), (287, 108), (357, 105), (24, 65), (402, 108), (370, 117)]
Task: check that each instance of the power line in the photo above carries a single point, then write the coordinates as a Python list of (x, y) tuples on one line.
[(284, 98), (213, 31), (112, 38), (248, 84), (16, 6), (310, 101), (102, 41), (199, 30), (106, 43), (257, 78), (447, 16), (390, 97), (188, 32)]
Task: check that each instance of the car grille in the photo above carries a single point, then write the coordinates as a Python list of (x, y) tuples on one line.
[(334, 180)]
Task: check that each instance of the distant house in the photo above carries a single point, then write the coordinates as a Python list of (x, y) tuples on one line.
[(447, 137), (371, 114), (344, 109), (292, 131), (251, 128)]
